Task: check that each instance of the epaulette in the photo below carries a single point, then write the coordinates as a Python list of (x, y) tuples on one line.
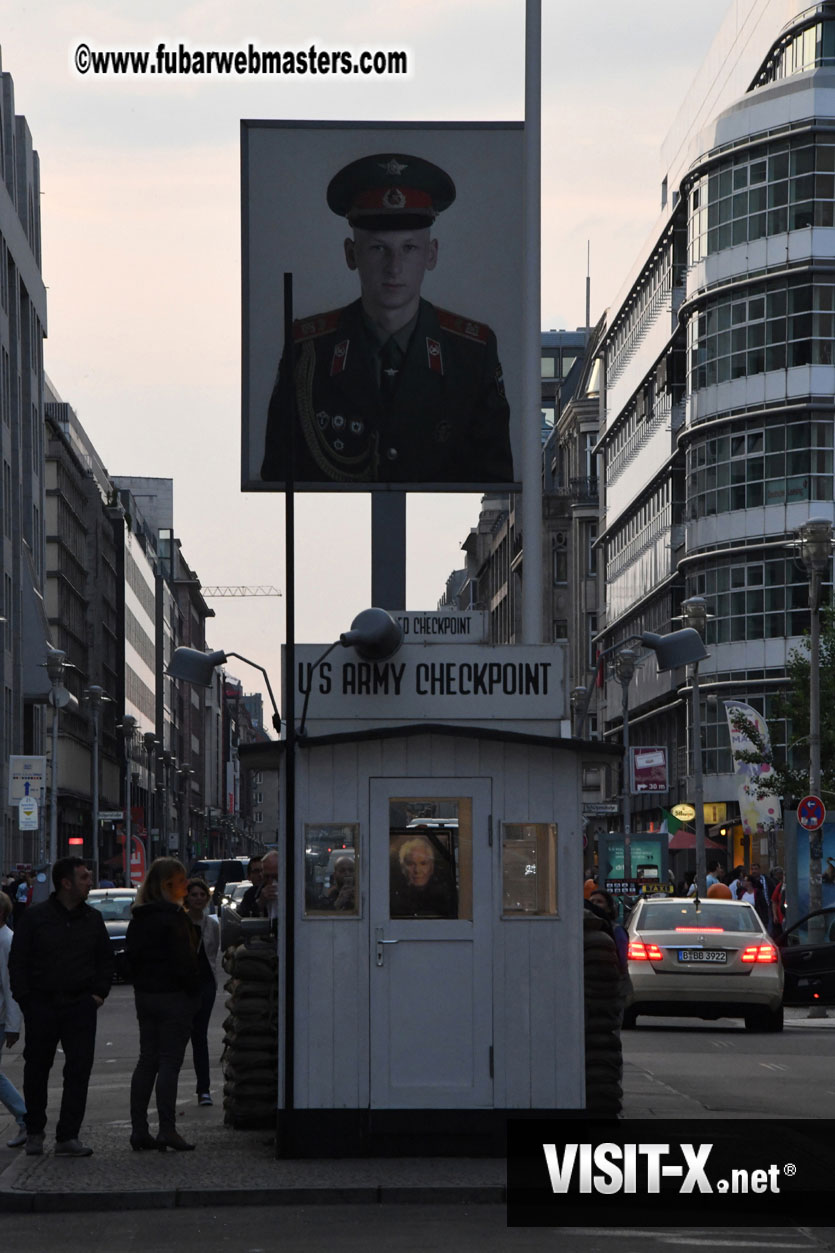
[(476, 332), (319, 324)]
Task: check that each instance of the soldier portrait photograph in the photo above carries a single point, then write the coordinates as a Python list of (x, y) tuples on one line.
[(403, 382)]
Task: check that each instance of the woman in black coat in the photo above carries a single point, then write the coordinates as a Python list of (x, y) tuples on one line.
[(162, 952)]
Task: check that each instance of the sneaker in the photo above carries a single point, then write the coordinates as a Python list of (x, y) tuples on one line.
[(204, 1099), (34, 1144), (19, 1140), (72, 1148)]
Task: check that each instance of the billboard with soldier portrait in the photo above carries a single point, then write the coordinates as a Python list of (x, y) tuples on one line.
[(405, 247)]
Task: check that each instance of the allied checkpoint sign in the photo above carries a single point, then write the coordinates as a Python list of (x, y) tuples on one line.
[(317, 197), (498, 686)]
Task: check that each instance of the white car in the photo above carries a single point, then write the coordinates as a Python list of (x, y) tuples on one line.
[(703, 959)]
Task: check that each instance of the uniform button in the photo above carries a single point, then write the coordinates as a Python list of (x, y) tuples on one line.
[(391, 453)]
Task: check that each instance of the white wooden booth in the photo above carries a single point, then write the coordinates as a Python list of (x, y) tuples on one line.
[(438, 953)]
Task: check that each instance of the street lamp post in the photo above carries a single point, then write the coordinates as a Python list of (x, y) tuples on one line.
[(58, 697), (95, 696), (624, 670), (128, 728), (695, 614), (814, 540)]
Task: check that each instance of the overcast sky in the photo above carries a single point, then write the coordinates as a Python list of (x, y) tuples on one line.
[(140, 202)]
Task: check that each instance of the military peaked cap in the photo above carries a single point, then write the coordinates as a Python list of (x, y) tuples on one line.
[(390, 192)]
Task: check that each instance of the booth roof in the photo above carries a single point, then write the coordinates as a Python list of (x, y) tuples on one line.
[(264, 756)]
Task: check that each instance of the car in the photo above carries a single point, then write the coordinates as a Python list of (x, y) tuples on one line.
[(808, 952), (703, 959), (217, 872), (115, 905), (229, 917)]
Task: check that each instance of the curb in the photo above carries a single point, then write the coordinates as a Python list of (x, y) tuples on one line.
[(198, 1198)]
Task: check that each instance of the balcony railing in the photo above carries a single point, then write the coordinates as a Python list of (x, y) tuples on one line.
[(584, 488)]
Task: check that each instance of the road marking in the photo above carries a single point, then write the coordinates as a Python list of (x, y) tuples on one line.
[(773, 1066), (676, 1237)]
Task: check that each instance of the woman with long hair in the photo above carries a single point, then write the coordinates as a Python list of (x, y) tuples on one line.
[(208, 942), (162, 952)]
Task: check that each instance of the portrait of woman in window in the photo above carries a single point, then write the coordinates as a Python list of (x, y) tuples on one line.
[(423, 877)]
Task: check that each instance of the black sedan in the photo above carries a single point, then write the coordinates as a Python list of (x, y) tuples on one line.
[(114, 905), (808, 952)]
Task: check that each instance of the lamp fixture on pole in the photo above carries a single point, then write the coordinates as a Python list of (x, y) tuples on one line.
[(814, 545), (128, 726), (59, 697), (96, 696), (695, 614), (625, 661)]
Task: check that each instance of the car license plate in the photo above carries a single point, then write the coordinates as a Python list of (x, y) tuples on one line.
[(702, 955)]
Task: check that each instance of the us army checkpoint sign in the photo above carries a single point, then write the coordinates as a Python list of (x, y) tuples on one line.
[(521, 687)]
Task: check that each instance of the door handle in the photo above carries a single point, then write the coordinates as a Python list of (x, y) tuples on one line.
[(380, 942)]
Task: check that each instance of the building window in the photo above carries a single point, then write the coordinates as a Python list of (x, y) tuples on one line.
[(529, 868), (785, 185), (560, 629), (590, 530), (549, 364), (591, 628), (742, 468), (754, 601), (559, 557)]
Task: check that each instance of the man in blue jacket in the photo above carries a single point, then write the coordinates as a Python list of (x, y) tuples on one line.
[(61, 969)]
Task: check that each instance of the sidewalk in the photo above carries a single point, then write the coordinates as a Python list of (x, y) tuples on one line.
[(232, 1167)]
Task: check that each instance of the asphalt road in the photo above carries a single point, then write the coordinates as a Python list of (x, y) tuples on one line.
[(728, 1069), (374, 1229)]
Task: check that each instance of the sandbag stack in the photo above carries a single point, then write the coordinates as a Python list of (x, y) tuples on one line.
[(250, 1055), (604, 993)]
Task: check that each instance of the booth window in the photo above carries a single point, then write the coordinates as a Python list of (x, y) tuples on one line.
[(331, 869), (529, 869), (431, 857)]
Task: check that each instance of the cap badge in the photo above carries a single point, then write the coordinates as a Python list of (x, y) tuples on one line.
[(394, 198), (392, 166)]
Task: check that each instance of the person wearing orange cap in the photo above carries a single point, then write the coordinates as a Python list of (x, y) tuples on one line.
[(391, 388)]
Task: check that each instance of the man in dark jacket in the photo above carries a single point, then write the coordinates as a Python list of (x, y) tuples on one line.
[(61, 969)]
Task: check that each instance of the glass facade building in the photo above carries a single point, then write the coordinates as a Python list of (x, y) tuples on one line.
[(720, 386)]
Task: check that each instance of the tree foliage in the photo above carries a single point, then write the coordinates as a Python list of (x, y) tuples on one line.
[(790, 777)]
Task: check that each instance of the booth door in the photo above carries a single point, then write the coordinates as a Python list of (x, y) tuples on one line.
[(430, 911)]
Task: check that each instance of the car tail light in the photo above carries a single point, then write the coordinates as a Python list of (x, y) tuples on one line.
[(638, 951), (760, 953)]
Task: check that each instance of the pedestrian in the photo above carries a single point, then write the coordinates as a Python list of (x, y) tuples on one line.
[(248, 907), (162, 951), (208, 942), (605, 902), (9, 1027), (778, 903), (61, 970)]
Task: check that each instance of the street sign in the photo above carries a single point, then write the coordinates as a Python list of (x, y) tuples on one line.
[(137, 861), (600, 809), (811, 813), (448, 626), (111, 815), (27, 814), (27, 777), (648, 770)]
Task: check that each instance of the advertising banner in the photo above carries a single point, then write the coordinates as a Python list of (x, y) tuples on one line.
[(407, 339), (648, 770), (757, 815)]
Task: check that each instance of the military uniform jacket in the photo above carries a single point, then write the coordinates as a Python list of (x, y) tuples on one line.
[(447, 421)]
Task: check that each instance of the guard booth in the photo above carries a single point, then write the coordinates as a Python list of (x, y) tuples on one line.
[(437, 953)]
